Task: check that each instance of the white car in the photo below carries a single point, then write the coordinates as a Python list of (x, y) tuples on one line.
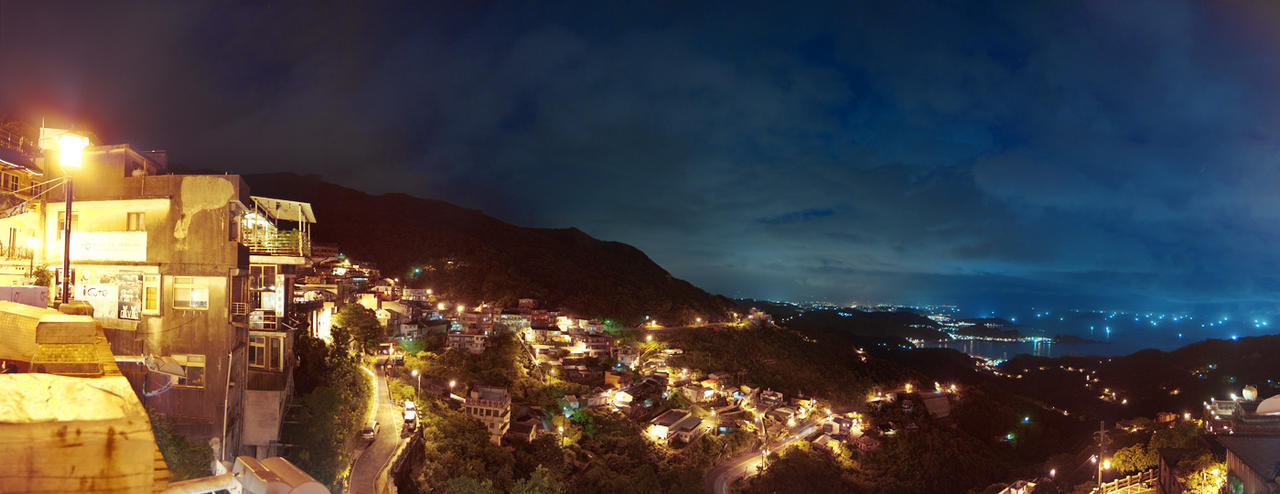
[(370, 431)]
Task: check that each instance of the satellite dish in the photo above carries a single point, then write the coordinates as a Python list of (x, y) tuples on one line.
[(165, 365), (1250, 393)]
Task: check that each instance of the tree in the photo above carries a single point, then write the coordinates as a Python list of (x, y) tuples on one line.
[(539, 482), (1204, 474), (1131, 459), (470, 485), (185, 459), (362, 324)]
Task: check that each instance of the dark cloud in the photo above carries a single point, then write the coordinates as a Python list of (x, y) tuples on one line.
[(980, 153), (800, 216)]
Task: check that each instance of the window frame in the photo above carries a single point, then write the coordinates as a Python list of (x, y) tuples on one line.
[(194, 285), (188, 362), (151, 287), (270, 350), (135, 221)]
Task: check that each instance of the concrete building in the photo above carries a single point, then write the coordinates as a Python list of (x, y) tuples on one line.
[(189, 268), (660, 427), (493, 407), (472, 341)]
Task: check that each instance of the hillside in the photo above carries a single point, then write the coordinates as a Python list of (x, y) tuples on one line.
[(468, 255)]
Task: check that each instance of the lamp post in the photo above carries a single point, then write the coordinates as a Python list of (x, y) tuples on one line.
[(418, 390), (71, 154), (561, 431)]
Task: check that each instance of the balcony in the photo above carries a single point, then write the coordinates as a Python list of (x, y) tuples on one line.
[(272, 242)]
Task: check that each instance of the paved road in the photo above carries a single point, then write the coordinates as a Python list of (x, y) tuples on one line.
[(364, 474), (718, 479)]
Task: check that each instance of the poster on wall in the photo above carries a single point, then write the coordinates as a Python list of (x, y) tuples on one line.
[(103, 298), (129, 295)]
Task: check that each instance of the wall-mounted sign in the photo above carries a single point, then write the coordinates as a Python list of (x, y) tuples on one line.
[(106, 246)]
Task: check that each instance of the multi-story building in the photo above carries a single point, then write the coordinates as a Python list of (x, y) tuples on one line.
[(470, 341), (184, 267), (493, 407)]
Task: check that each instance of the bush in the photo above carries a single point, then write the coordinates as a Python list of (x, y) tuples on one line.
[(185, 459)]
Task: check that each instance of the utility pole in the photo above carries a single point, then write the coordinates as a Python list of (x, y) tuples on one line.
[(1102, 441)]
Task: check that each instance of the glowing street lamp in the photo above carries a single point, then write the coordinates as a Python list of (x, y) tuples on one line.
[(32, 244), (648, 338), (70, 156), (415, 374)]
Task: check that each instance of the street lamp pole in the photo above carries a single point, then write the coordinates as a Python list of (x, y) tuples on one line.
[(66, 243), (70, 155)]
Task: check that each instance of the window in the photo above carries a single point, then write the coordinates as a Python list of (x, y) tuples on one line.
[(189, 293), (194, 366), (262, 277), (257, 351), (62, 219), (136, 222), (151, 294), (10, 181), (266, 352), (275, 353)]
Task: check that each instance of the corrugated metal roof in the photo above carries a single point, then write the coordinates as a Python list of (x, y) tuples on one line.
[(282, 209)]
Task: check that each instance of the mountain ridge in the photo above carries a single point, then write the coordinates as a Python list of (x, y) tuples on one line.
[(471, 256)]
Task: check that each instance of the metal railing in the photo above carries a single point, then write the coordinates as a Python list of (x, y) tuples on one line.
[(1135, 481), (14, 141), (286, 242)]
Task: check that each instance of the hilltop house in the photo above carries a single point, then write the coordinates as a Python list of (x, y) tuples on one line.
[(493, 407)]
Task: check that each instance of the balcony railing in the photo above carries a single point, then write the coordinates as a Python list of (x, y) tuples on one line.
[(262, 319), (277, 242)]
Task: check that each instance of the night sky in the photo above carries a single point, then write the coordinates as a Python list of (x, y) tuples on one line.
[(1109, 154)]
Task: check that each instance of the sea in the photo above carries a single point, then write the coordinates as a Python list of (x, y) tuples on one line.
[(1109, 333)]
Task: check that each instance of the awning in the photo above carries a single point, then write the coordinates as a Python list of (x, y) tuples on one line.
[(281, 209)]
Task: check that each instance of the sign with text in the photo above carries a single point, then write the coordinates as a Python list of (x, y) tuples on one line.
[(106, 246)]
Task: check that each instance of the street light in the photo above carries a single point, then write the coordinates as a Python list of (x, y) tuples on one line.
[(32, 244), (561, 431), (70, 156), (419, 388)]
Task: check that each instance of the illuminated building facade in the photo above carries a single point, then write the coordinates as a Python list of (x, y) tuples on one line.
[(186, 267)]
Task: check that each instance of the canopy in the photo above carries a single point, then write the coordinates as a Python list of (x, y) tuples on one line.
[(285, 210)]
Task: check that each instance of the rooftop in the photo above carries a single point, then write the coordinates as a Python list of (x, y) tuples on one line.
[(1260, 453), (670, 417)]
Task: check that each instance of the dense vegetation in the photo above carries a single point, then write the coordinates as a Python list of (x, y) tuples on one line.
[(185, 459), (1151, 380), (332, 401), (471, 256), (990, 435)]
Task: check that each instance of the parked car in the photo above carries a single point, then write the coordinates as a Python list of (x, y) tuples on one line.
[(370, 431)]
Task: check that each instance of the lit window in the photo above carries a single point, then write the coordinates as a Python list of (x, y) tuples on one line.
[(151, 294), (189, 293), (194, 366), (136, 222)]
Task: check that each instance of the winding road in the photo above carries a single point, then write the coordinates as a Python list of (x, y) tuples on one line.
[(719, 479), (369, 466)]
